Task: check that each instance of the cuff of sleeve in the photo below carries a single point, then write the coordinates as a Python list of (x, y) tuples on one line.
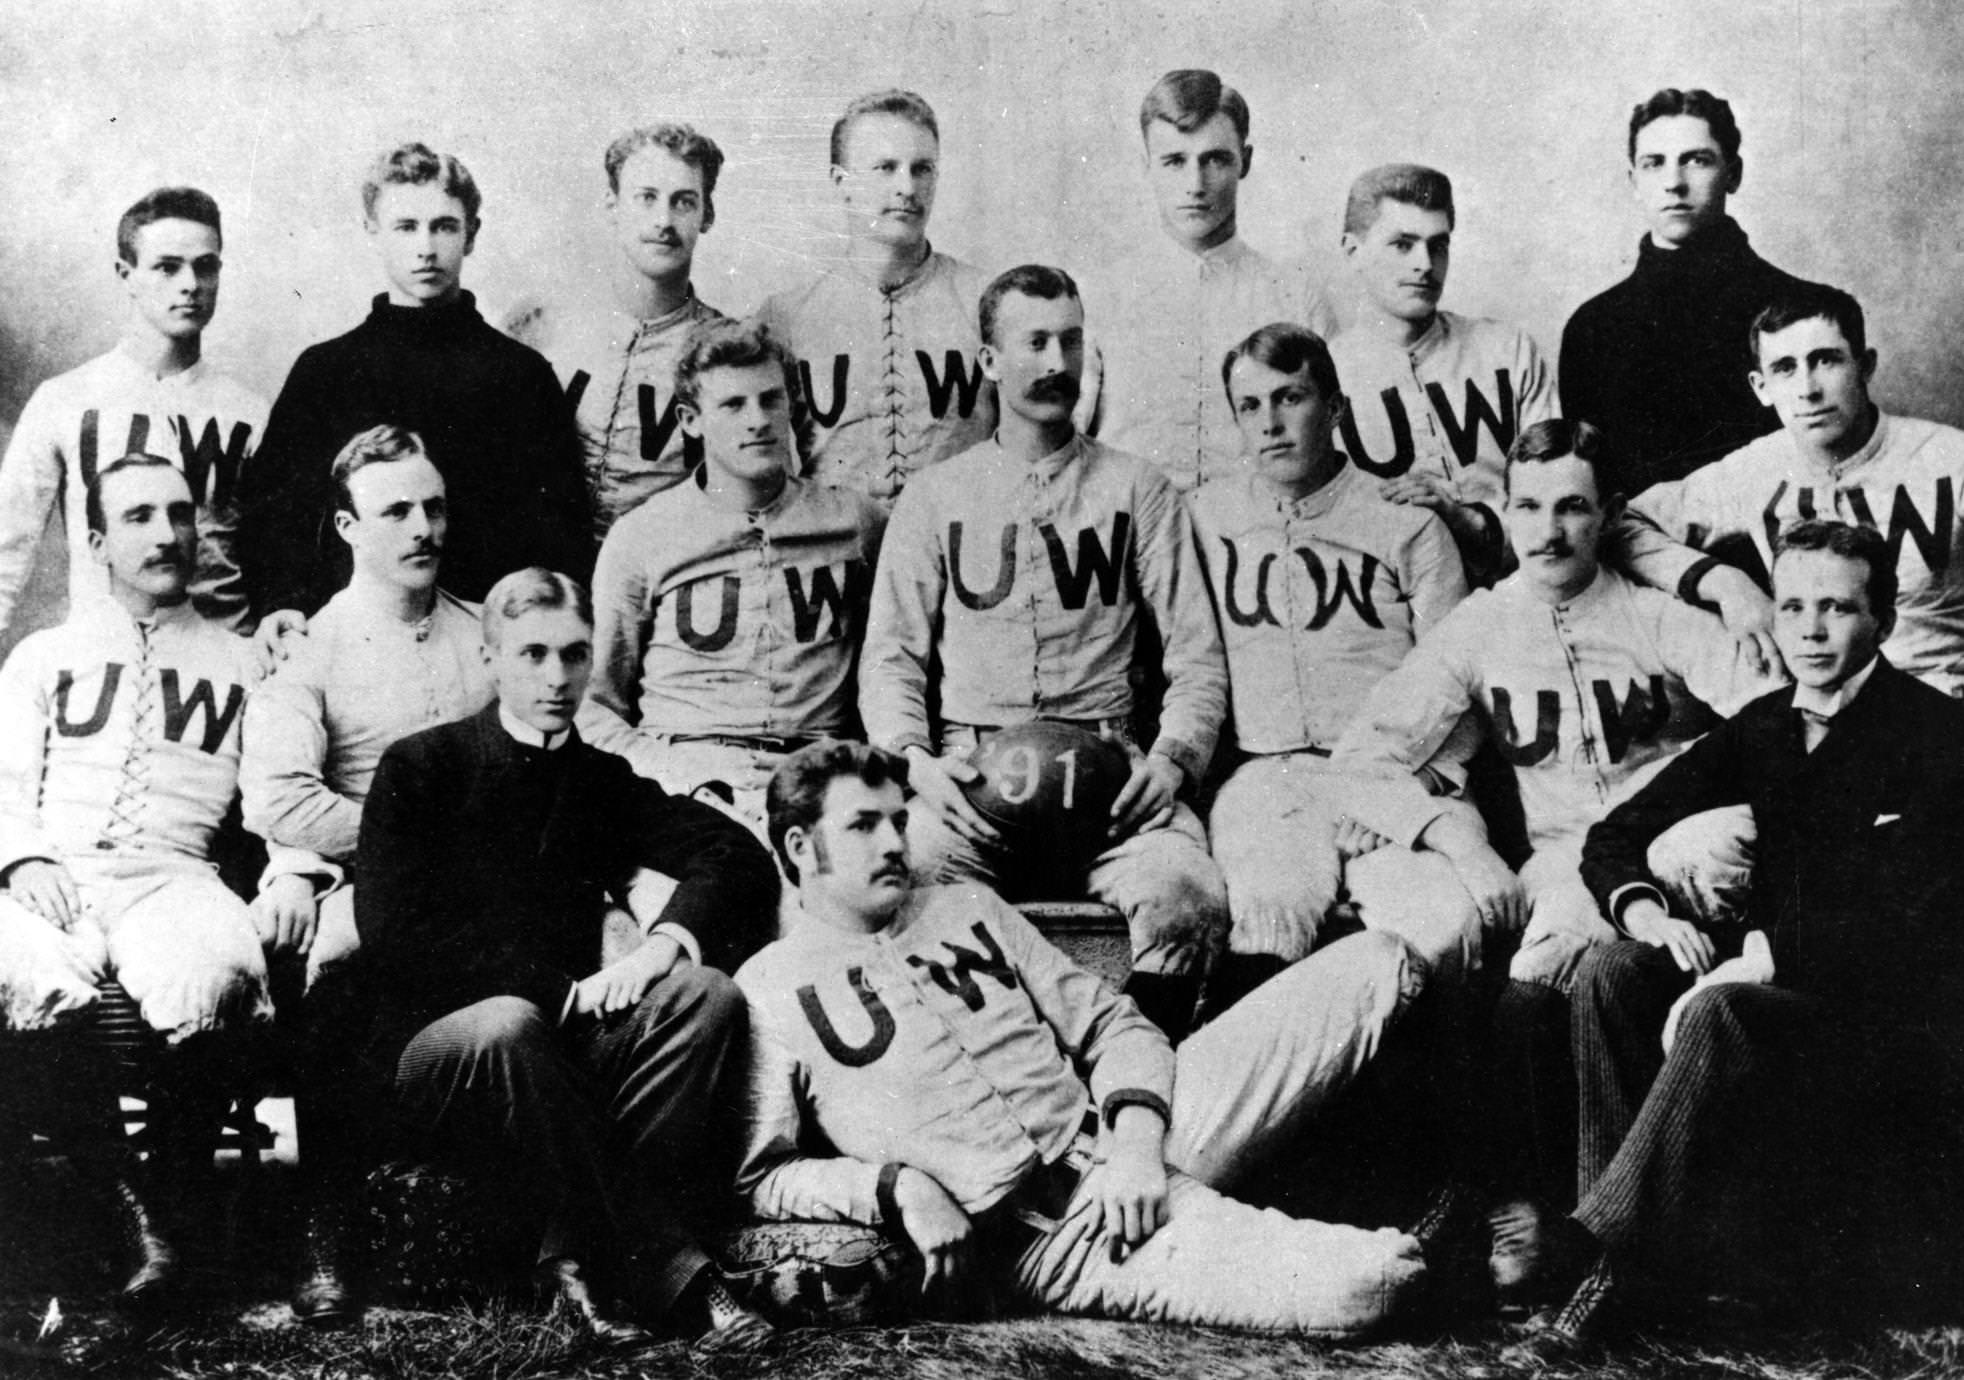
[(8, 864), (284, 861), (681, 935), (1119, 1099), (1688, 582), (900, 745), (566, 1007), (1620, 898), (1183, 755)]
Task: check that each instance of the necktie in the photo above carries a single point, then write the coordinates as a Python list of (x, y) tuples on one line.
[(1813, 728)]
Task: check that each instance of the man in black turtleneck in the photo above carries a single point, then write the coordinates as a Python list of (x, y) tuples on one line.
[(1659, 361), (488, 410)]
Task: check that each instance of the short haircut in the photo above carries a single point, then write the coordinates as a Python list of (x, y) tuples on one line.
[(796, 796), (1189, 98), (1804, 302), (1557, 439), (534, 587), (699, 151), (1850, 542), (1286, 348), (1697, 103), (721, 344), (893, 101), (1027, 280), (413, 165), (1410, 183), (98, 518), (165, 203), (376, 446)]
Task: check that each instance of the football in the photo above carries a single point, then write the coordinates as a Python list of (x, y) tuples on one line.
[(1050, 785)]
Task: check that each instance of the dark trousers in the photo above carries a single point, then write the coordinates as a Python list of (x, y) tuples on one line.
[(1770, 1100), (610, 1129)]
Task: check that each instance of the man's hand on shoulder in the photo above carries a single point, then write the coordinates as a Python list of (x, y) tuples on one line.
[(1467, 523), (1649, 923), (48, 889), (937, 1226), (285, 914), (278, 636), (621, 984), (938, 782), (1747, 613), (1146, 800)]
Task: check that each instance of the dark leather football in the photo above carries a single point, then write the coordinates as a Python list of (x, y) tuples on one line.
[(1050, 784)]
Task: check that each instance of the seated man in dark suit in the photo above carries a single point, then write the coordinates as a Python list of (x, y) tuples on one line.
[(1826, 1037), (489, 848)]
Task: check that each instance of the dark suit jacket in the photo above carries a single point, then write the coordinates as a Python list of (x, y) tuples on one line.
[(484, 869), (1859, 876)]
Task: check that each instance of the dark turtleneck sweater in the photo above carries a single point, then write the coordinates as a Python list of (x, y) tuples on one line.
[(492, 416), (1659, 361)]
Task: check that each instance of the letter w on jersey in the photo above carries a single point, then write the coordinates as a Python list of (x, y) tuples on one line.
[(178, 709), (953, 976)]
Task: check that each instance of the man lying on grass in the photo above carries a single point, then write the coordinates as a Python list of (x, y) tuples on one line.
[(933, 1041)]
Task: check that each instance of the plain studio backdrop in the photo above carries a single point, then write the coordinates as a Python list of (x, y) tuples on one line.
[(1852, 111)]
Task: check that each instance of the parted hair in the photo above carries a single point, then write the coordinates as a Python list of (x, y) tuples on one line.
[(92, 508), (795, 797), (1850, 542), (165, 203), (1559, 437), (1410, 183), (699, 151), (376, 446), (534, 587), (719, 344), (893, 101), (1027, 280), (1804, 302), (1286, 348), (1188, 98), (1698, 103), (412, 165)]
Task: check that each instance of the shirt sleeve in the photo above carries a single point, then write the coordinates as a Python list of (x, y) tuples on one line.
[(1114, 1047), (779, 1176), (282, 767), (30, 480), (1434, 575), (610, 717), (903, 626), (1174, 587), (1711, 662), (1659, 538), (1536, 396), (1409, 716), (24, 719)]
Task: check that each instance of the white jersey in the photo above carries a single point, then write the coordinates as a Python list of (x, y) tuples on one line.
[(618, 371), (1160, 323), (1319, 599), (1449, 404), (120, 738), (1588, 699), (1904, 483), (206, 424), (890, 375)]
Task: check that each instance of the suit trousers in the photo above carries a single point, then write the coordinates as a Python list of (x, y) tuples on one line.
[(608, 1128)]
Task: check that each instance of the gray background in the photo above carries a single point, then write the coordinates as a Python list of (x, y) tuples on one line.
[(1853, 113)]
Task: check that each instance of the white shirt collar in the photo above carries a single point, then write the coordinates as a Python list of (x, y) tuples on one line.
[(530, 736), (1828, 703)]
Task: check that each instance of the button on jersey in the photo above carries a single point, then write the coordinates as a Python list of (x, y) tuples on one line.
[(890, 374)]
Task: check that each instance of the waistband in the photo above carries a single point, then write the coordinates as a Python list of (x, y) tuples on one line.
[(760, 742), (974, 735)]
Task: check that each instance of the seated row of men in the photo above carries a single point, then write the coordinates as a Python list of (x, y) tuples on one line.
[(1019, 579)]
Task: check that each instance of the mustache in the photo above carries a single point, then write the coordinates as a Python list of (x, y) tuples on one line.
[(1553, 548), (1056, 388)]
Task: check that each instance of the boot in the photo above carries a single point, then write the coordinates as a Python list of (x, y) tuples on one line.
[(154, 1278), (324, 1298)]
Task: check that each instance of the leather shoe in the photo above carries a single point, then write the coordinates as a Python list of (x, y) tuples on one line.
[(567, 1281), (323, 1298), (731, 1326), (154, 1275), (1575, 1329)]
